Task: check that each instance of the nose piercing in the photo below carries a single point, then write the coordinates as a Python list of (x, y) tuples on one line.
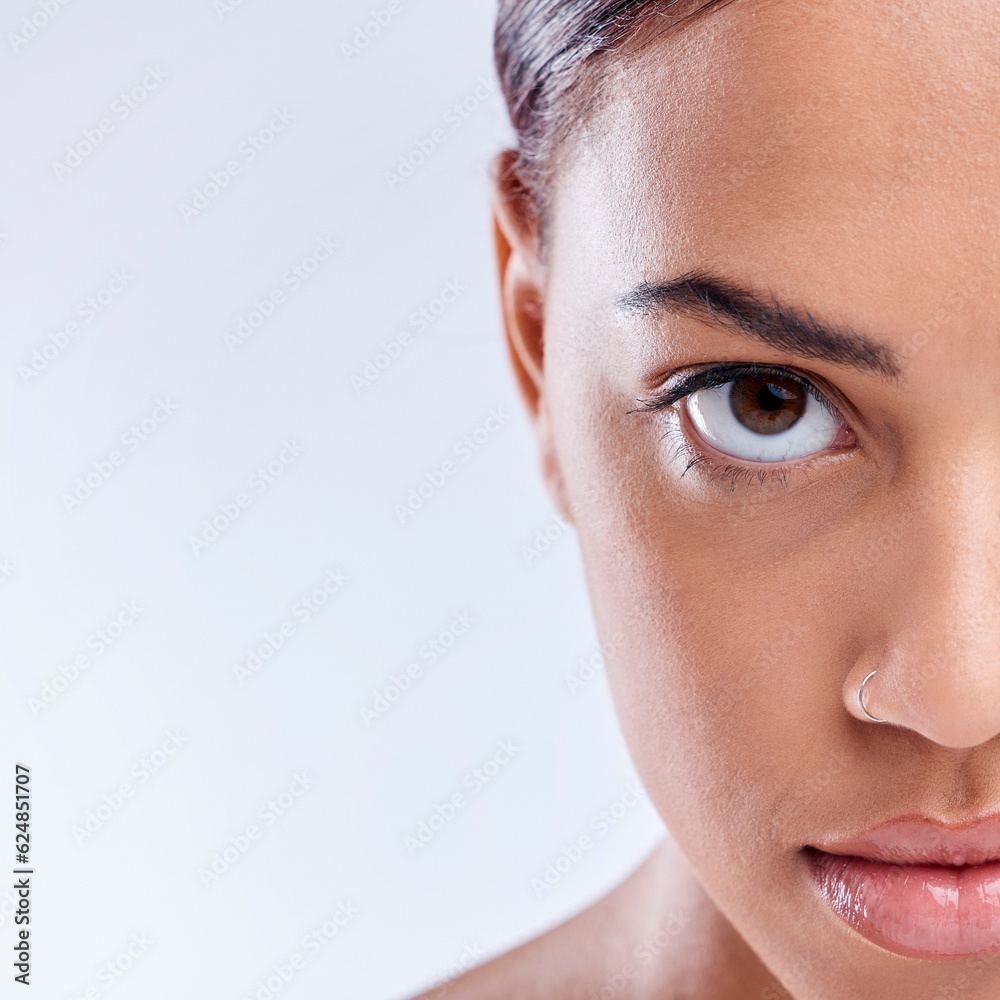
[(861, 699)]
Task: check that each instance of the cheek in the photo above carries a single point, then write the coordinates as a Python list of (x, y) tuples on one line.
[(727, 683)]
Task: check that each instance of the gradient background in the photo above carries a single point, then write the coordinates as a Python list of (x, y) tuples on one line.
[(468, 550)]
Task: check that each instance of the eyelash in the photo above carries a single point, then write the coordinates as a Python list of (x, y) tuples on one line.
[(731, 471)]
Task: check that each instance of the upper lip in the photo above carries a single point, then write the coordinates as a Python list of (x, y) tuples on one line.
[(918, 840)]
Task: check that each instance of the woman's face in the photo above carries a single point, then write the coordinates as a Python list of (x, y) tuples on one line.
[(826, 177)]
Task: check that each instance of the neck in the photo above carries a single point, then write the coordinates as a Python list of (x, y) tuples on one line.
[(698, 952)]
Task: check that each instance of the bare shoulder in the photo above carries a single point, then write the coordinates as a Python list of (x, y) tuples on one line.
[(621, 942)]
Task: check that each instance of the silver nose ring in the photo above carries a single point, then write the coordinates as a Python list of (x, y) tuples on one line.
[(861, 699)]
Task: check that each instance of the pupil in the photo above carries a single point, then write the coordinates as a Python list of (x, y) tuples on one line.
[(768, 399)]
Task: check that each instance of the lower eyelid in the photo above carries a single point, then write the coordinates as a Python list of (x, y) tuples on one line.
[(728, 472)]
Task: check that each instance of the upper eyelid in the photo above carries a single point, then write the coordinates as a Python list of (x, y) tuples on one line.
[(720, 375)]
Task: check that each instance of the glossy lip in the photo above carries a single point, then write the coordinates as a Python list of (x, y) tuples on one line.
[(915, 886)]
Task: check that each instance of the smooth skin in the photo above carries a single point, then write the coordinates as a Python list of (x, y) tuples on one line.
[(842, 160)]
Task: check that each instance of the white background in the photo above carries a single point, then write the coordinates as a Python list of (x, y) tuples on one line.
[(354, 115)]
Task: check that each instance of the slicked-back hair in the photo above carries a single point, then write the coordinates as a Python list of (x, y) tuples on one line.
[(543, 49)]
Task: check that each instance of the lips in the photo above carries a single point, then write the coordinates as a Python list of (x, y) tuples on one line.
[(917, 887)]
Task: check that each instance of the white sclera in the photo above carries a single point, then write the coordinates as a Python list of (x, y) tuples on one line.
[(712, 414)]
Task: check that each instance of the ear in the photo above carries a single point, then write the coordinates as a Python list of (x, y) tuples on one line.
[(522, 300)]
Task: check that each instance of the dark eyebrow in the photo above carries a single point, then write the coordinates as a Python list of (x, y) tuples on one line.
[(723, 303)]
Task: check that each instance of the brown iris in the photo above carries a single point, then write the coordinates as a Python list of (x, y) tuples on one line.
[(767, 405)]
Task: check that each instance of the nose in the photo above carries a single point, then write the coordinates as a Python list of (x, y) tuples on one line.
[(937, 665)]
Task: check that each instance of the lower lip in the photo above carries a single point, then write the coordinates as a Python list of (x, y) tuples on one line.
[(921, 911)]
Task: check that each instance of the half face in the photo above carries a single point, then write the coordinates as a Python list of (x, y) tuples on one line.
[(770, 400)]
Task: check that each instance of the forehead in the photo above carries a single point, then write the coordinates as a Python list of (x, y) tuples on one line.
[(808, 147)]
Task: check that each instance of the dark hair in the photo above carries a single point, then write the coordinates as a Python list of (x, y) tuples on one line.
[(542, 48)]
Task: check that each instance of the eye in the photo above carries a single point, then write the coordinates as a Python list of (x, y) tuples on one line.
[(764, 418)]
